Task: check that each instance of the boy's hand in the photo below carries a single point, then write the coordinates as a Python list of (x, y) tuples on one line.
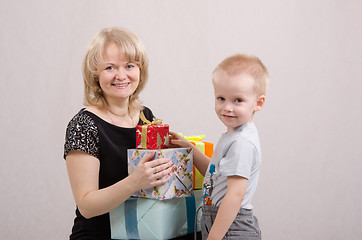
[(201, 161), (178, 141)]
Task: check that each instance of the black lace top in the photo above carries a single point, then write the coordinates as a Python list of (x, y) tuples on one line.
[(109, 143)]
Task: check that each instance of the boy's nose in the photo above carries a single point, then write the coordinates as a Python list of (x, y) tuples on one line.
[(228, 107)]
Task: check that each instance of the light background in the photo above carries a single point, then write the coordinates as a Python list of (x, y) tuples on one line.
[(310, 128)]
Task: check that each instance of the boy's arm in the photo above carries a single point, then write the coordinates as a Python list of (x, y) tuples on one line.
[(201, 161), (229, 208)]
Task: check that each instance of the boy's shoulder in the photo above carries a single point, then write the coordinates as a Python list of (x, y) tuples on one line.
[(248, 131), (246, 134)]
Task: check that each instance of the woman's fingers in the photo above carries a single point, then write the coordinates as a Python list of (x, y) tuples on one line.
[(159, 162), (161, 179), (161, 171), (147, 158), (155, 172)]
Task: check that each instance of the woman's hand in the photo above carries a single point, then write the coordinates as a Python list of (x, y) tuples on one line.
[(151, 173), (177, 140)]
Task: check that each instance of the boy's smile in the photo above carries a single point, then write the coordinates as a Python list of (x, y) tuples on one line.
[(228, 116), (235, 99)]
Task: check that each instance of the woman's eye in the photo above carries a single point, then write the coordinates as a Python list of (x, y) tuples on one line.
[(130, 66), (109, 68)]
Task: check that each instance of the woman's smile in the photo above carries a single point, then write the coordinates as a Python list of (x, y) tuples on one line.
[(121, 85)]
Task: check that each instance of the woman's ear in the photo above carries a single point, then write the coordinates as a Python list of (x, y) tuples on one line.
[(260, 103)]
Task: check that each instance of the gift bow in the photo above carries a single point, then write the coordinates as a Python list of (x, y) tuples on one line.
[(154, 122), (194, 138)]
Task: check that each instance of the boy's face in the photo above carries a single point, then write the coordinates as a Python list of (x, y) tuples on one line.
[(235, 99)]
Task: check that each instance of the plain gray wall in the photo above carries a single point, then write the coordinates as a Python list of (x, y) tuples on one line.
[(310, 128)]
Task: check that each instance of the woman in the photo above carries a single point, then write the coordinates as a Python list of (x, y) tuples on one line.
[(115, 71)]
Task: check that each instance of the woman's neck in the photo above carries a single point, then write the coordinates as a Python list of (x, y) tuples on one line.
[(117, 113), (119, 108)]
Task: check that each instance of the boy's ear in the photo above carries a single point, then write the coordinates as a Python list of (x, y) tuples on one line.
[(260, 103)]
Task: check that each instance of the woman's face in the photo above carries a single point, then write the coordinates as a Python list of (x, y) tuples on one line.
[(118, 77)]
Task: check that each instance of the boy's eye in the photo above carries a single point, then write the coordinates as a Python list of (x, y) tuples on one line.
[(221, 99), (238, 100)]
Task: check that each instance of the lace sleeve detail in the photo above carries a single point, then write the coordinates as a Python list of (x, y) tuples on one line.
[(82, 134)]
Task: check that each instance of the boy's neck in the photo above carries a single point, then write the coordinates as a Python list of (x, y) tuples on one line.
[(229, 130)]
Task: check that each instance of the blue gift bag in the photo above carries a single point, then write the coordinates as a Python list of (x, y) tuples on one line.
[(141, 218)]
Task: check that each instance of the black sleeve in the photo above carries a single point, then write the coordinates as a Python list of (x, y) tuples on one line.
[(82, 135)]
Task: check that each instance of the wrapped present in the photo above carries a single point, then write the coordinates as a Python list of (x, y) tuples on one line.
[(152, 135), (141, 218), (205, 147), (181, 182)]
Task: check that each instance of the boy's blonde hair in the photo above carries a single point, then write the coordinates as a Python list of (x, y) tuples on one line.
[(239, 64), (134, 51)]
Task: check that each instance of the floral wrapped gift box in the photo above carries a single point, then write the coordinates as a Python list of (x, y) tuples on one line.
[(181, 182)]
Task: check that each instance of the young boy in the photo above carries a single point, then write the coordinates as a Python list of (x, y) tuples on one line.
[(231, 176)]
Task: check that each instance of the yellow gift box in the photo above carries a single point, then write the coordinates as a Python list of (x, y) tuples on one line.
[(205, 147)]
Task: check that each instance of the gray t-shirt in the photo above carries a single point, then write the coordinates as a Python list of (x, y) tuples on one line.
[(237, 153)]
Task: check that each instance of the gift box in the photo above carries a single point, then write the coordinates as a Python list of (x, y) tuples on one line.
[(205, 147), (152, 135), (141, 218), (181, 182)]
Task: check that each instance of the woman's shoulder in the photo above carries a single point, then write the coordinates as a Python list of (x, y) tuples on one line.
[(82, 113), (82, 118)]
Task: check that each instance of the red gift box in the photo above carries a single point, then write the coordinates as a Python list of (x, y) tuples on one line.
[(152, 135)]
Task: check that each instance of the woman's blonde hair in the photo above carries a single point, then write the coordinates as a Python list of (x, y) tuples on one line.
[(133, 49)]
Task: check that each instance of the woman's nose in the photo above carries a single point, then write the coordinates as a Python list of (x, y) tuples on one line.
[(121, 74)]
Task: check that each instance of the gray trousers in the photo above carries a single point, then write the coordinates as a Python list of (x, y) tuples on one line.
[(245, 225)]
